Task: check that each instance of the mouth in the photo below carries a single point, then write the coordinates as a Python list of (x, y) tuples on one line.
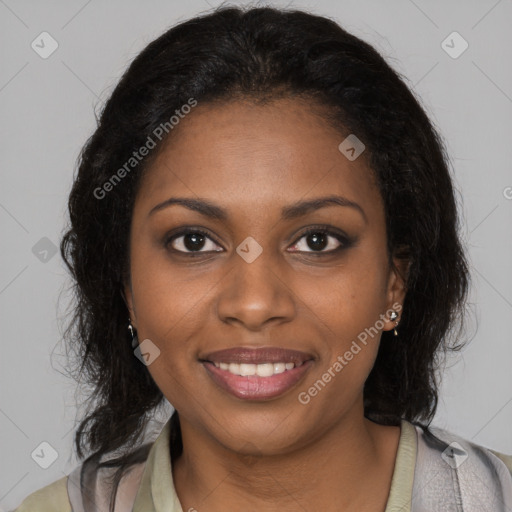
[(257, 374)]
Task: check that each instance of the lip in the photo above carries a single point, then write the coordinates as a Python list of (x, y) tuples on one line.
[(254, 387), (257, 355)]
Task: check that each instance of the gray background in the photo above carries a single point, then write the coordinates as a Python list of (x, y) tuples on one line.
[(47, 113)]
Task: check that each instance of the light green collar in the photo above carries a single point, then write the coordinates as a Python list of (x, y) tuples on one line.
[(158, 494)]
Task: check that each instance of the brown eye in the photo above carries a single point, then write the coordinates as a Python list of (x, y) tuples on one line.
[(191, 241), (317, 241), (321, 241)]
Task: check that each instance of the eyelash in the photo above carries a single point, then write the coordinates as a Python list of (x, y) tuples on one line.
[(344, 240)]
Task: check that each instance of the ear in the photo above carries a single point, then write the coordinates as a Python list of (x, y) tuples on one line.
[(397, 288), (127, 294)]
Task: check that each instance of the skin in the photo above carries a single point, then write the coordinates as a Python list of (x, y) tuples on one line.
[(275, 454)]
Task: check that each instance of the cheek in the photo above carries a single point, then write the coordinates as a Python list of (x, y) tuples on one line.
[(171, 309), (169, 296), (348, 307), (352, 330), (349, 299)]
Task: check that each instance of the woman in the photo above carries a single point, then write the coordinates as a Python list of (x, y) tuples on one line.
[(264, 234)]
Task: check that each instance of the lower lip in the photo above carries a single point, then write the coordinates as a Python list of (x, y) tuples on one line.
[(253, 387)]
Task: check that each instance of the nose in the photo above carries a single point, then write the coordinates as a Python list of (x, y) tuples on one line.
[(255, 294)]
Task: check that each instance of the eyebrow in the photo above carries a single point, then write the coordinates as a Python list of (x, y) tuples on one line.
[(293, 211)]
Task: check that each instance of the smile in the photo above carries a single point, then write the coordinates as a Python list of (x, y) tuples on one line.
[(257, 374), (261, 370)]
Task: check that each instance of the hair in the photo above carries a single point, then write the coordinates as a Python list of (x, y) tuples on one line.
[(260, 54)]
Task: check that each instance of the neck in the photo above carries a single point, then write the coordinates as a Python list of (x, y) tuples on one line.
[(348, 467)]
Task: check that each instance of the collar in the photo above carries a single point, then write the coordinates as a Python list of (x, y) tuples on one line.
[(157, 492)]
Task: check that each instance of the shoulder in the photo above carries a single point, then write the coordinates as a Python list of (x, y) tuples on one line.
[(52, 498), (452, 469), (459, 449), (507, 459), (91, 481)]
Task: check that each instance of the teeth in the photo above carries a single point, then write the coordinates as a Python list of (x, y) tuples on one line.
[(265, 370), (247, 369), (279, 367), (261, 370)]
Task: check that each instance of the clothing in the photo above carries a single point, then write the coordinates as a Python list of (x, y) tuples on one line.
[(435, 471)]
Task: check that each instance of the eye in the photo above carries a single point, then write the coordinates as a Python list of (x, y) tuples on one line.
[(191, 241), (320, 238)]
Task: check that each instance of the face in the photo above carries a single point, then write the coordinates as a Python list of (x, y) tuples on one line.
[(236, 268)]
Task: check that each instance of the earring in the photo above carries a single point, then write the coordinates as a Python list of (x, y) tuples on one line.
[(135, 340), (394, 316)]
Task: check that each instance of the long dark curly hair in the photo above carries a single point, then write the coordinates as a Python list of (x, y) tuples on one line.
[(262, 53)]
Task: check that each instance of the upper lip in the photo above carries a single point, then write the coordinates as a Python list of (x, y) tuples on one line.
[(257, 355)]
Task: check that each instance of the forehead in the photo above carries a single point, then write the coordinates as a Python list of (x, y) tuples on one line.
[(256, 156)]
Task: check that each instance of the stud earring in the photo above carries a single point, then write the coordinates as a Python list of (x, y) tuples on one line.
[(393, 317), (133, 332)]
